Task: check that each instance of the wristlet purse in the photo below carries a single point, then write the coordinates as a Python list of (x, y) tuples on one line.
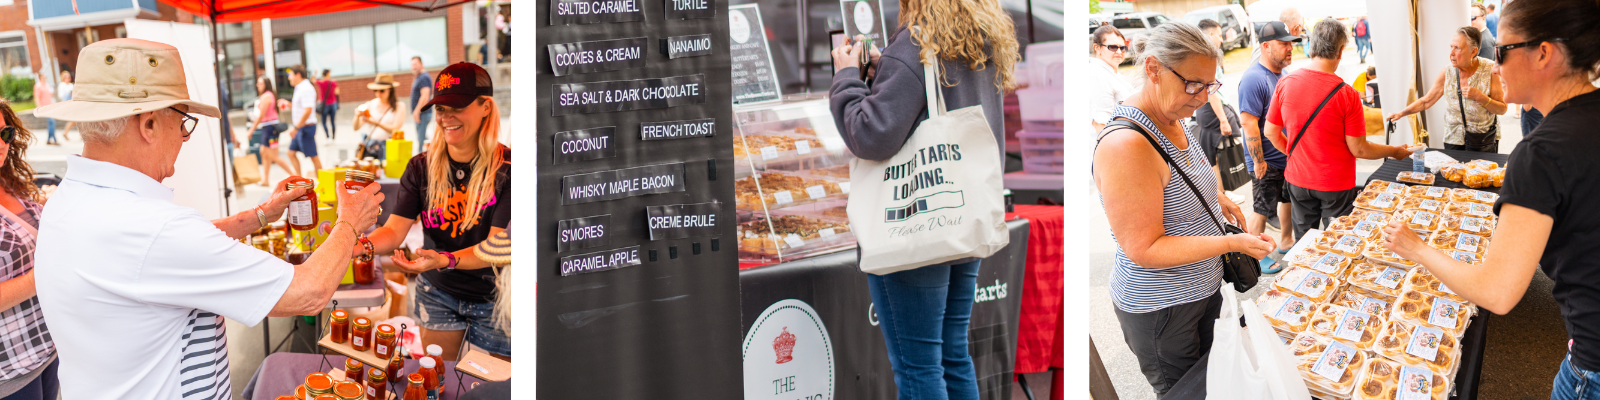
[(1242, 270)]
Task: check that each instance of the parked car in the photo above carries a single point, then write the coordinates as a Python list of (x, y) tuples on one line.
[(1236, 27), (1134, 25)]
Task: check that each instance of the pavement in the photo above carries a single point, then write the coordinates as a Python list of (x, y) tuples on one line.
[(1524, 347)]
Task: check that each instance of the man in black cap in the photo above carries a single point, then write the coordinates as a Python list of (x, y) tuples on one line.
[(1266, 163)]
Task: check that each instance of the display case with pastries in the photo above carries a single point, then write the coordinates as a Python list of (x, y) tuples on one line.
[(791, 181), (1423, 346), (1347, 244), (1429, 192), (1456, 240), (1419, 220), (1474, 196), (1307, 283), (1353, 327), (1471, 209), (1385, 379), (1286, 311), (1420, 280), (1328, 366), (1332, 264), (1467, 224), (1425, 309), (1378, 253), (1413, 177), (1425, 204), (1378, 201), (1381, 279), (1358, 299)]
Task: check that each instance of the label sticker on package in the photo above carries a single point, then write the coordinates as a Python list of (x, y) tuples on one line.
[(802, 146), (1351, 325), (1390, 277), (1334, 361), (1425, 342), (1468, 242), (1444, 313), (826, 232), (1314, 284), (1396, 189), (1423, 218), (1293, 309), (794, 240), (783, 197), (1415, 384), (1479, 210), (1430, 205), (1487, 197), (1374, 306), (769, 152), (1473, 224), (1384, 200), (1348, 244), (1329, 263), (844, 187), (1365, 229), (1446, 289), (1438, 192), (816, 192), (1465, 257)]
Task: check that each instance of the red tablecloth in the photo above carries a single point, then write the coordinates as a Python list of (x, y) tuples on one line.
[(1039, 331)]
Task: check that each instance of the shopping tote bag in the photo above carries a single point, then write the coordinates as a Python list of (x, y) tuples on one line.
[(937, 200), (1249, 363)]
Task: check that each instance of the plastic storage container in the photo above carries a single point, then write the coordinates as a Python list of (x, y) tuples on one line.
[(1042, 152), (1046, 65), (1042, 109)]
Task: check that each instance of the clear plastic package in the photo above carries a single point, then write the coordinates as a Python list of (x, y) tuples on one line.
[(1307, 283), (1424, 309), (1328, 366), (1499, 175), (1378, 201), (1453, 171), (1424, 346), (1385, 379), (1456, 240), (1358, 299), (1478, 178), (1420, 280), (1468, 224), (1332, 264), (1377, 253), (1382, 218), (1475, 196), (1429, 192), (1420, 178), (1343, 243), (1471, 209), (1419, 220), (1286, 311), (1482, 164), (1380, 279), (1435, 206), (1353, 327), (1366, 229)]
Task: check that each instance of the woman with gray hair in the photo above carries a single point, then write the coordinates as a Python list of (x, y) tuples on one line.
[(1471, 83), (1168, 270)]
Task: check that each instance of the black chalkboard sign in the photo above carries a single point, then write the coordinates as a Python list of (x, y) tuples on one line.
[(754, 78), (865, 18), (633, 113)]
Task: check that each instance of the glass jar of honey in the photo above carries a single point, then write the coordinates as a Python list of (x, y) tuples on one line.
[(353, 370), (361, 334), (303, 209), (318, 384), (383, 341), (349, 390), (340, 325), (376, 380)]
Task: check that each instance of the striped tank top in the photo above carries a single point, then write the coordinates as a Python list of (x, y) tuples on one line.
[(1135, 289)]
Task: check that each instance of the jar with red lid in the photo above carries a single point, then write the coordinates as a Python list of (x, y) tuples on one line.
[(353, 370), (318, 384), (414, 390), (303, 209), (383, 341), (361, 334), (348, 390), (339, 324), (376, 381)]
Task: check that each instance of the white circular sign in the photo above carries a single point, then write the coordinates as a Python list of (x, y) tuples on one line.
[(738, 26), (863, 17), (788, 355)]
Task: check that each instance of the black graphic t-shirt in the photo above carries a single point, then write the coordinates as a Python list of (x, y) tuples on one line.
[(442, 228)]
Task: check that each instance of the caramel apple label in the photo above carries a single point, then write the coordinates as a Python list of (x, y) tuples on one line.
[(600, 261)]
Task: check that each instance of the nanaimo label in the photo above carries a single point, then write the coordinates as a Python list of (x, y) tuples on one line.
[(600, 261), (680, 221), (598, 56), (678, 129), (641, 94), (582, 233), (691, 9), (568, 12), (686, 46), (622, 183), (583, 145)]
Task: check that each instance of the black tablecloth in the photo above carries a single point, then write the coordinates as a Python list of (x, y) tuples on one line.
[(281, 372), (1392, 168), (1193, 384)]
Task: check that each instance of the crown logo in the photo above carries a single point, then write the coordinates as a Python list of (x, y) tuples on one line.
[(445, 81), (784, 346)]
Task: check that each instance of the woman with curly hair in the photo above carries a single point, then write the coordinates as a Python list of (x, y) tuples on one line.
[(27, 354)]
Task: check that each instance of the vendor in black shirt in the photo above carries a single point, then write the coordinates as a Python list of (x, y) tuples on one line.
[(1549, 209), (460, 190)]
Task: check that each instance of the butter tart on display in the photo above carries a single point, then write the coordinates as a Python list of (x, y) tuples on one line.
[(1380, 279), (1309, 284), (1378, 201), (1380, 217), (1359, 299), (1435, 206), (1420, 280), (1382, 379), (1378, 253), (1429, 192), (1353, 327), (1478, 178), (1482, 164), (1474, 196), (1467, 224), (1458, 241), (1328, 366), (1420, 178), (1331, 264), (1400, 341), (1419, 220), (1423, 309), (1453, 171), (1286, 311), (1471, 209), (1348, 245)]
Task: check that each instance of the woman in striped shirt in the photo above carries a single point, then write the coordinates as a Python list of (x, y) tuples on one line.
[(1168, 269)]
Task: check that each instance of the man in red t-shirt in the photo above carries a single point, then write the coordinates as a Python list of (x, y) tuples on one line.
[(1322, 166)]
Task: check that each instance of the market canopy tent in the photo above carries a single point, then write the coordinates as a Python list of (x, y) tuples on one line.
[(224, 11)]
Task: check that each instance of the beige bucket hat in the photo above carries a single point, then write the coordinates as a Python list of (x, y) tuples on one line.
[(382, 81), (121, 77)]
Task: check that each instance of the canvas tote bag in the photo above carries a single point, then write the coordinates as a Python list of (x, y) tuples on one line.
[(937, 200)]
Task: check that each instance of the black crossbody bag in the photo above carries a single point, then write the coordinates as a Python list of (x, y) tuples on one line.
[(1242, 270), (1475, 141)]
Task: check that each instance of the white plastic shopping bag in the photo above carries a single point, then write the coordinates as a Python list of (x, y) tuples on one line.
[(1250, 362)]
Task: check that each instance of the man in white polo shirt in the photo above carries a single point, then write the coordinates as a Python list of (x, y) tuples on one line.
[(134, 287)]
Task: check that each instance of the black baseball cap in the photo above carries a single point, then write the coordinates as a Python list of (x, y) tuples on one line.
[(459, 85), (1275, 30)]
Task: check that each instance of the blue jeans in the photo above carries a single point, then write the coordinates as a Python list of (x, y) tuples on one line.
[(1574, 383), (436, 310), (50, 124), (424, 120), (45, 387), (924, 314), (325, 114), (1530, 120), (1363, 47)]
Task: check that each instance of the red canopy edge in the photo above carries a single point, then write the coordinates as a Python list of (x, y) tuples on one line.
[(225, 11)]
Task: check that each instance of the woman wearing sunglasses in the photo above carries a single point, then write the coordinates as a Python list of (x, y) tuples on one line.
[(28, 368), (1110, 89), (380, 116), (1546, 210), (1471, 90), (1168, 270)]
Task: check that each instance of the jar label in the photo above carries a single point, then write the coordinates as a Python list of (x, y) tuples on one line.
[(357, 341), (301, 212), (372, 392), (383, 349)]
